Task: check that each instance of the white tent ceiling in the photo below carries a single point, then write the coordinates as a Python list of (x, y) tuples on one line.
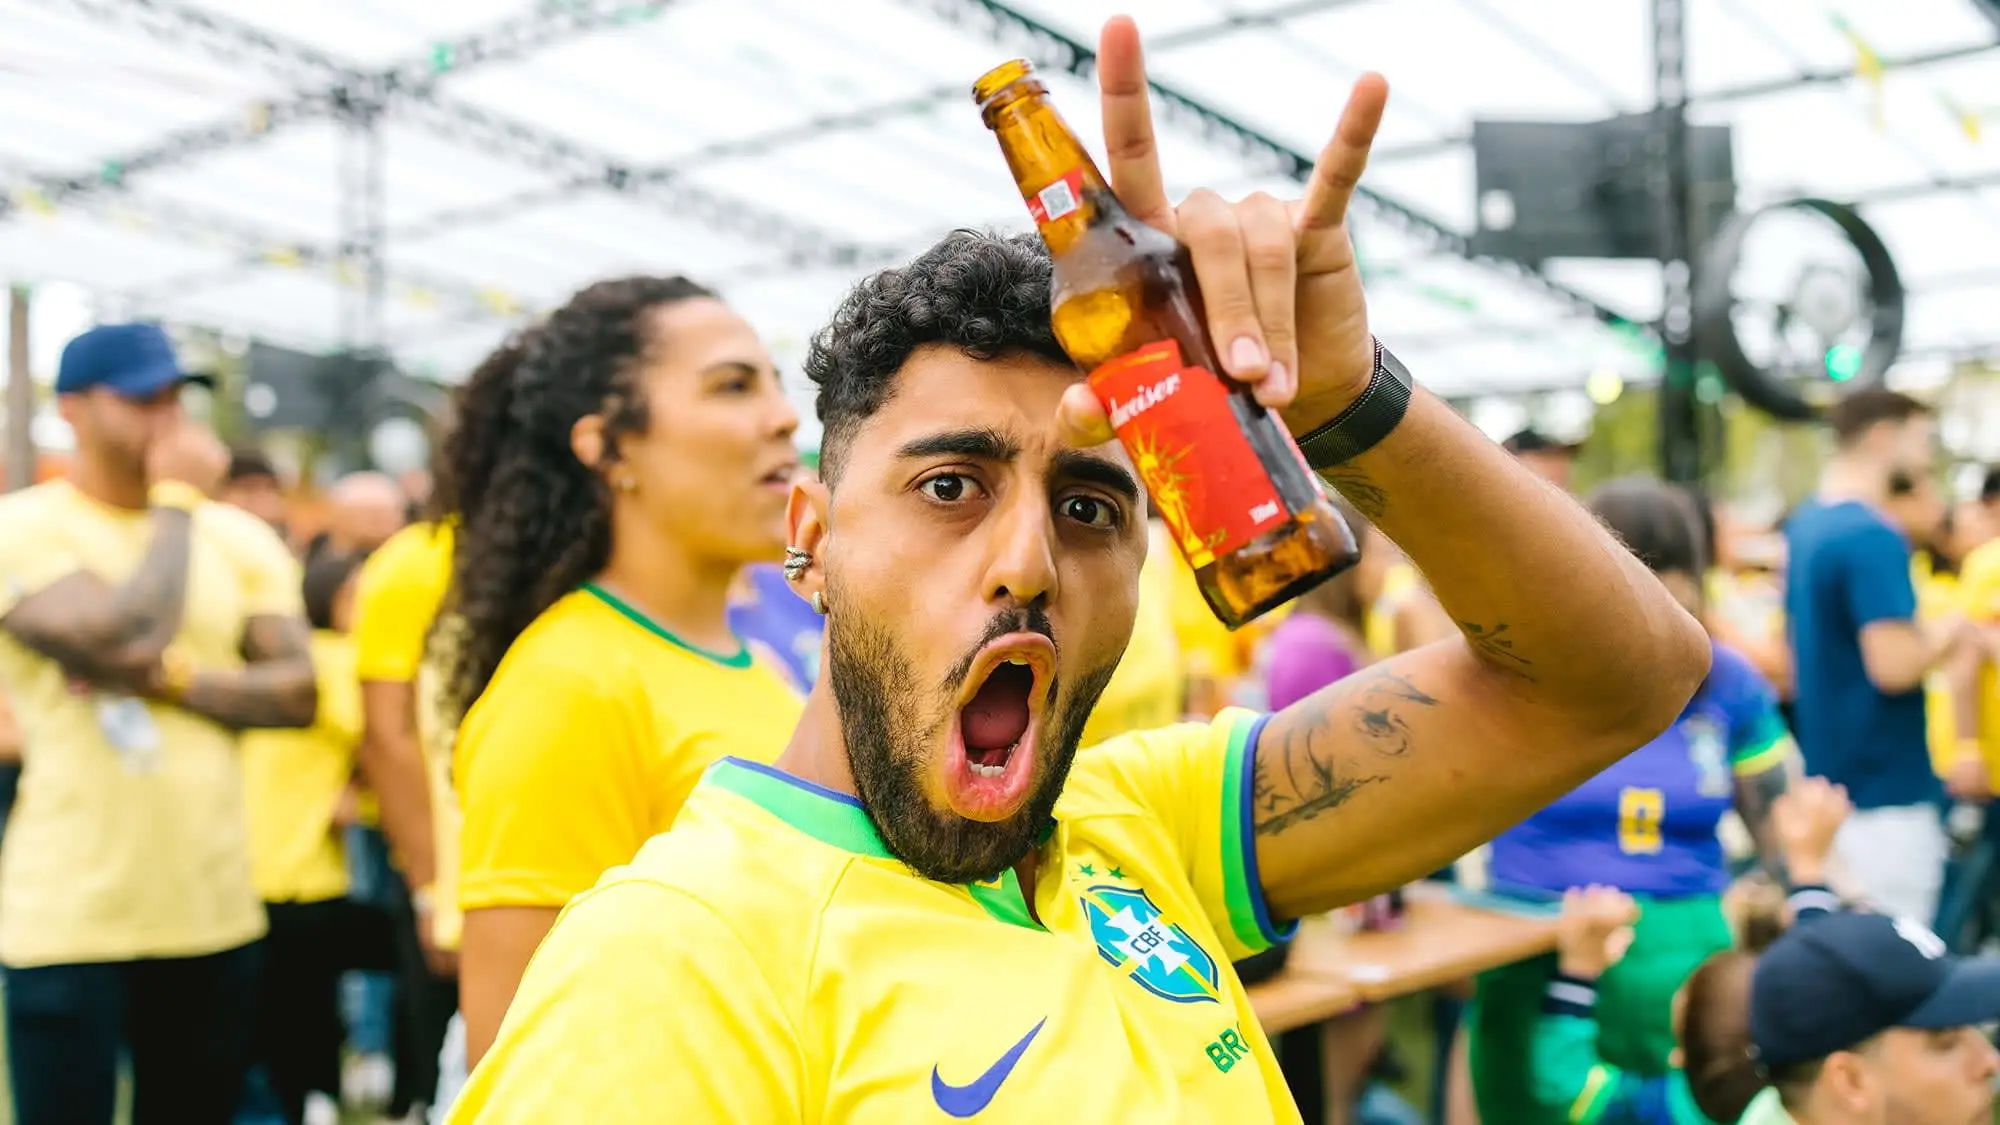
[(183, 159)]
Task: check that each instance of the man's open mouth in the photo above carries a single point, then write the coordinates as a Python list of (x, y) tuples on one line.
[(992, 752)]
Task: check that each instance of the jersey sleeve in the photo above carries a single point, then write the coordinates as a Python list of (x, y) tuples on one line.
[(1759, 739), (552, 789), (1979, 584), (642, 1002), (1196, 779), (29, 560), (267, 572), (1566, 1073), (396, 597), (1875, 577)]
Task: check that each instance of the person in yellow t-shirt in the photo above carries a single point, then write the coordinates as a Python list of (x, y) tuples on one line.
[(642, 458), (294, 782), (1149, 690), (142, 626), (1975, 727), (406, 762), (932, 904)]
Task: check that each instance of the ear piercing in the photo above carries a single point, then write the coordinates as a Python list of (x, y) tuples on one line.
[(797, 559)]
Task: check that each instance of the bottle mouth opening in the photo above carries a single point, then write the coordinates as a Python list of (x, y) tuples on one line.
[(999, 80)]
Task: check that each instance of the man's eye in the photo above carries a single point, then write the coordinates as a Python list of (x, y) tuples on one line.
[(1090, 511), (948, 488)]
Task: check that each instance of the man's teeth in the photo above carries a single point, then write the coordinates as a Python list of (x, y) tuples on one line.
[(1021, 660), (987, 771)]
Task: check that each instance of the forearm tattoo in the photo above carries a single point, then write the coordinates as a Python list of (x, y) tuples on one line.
[(1306, 759), (274, 689)]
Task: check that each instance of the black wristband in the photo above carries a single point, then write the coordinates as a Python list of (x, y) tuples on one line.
[(1367, 420)]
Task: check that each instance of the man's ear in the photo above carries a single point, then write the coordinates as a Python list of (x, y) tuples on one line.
[(808, 528)]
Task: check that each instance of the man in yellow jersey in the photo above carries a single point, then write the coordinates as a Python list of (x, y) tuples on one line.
[(1976, 713), (405, 758), (142, 626), (931, 906)]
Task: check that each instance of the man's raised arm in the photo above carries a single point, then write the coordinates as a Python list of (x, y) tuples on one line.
[(1570, 654)]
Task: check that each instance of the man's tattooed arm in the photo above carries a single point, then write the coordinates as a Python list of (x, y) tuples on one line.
[(274, 688), (107, 634), (1755, 794)]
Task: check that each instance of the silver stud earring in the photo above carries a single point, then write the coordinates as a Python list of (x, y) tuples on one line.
[(819, 602), (797, 559)]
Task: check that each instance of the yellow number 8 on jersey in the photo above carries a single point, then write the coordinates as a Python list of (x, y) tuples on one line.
[(1640, 812)]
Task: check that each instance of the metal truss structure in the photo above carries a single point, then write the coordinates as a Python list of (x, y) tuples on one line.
[(455, 179)]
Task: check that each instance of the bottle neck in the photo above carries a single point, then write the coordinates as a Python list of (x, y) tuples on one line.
[(1059, 181)]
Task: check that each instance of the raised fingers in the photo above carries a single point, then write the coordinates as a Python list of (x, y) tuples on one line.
[(1129, 145), (1270, 247), (1342, 161), (1222, 267)]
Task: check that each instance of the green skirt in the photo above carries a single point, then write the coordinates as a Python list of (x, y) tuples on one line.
[(1634, 1007)]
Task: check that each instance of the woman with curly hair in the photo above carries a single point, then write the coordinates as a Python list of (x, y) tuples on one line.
[(612, 469)]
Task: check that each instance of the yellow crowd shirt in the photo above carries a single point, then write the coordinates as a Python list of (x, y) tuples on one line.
[(293, 781), (1979, 599), (116, 855), (768, 961), (397, 597), (585, 744), (1146, 692), (1399, 581)]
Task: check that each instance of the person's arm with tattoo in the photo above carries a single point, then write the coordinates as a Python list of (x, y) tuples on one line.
[(274, 687), (113, 634), (1568, 652)]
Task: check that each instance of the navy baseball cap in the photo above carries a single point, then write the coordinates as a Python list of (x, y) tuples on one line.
[(1829, 984), (130, 360)]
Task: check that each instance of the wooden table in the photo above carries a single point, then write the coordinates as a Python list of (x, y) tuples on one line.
[(1441, 940)]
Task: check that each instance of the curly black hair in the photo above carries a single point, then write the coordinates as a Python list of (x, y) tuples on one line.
[(534, 522), (985, 294)]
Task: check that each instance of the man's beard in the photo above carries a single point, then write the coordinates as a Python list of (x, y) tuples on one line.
[(888, 732)]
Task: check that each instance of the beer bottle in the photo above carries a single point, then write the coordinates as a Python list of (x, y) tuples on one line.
[(1223, 472)]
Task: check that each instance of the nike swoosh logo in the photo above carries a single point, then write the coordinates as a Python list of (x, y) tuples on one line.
[(969, 1099)]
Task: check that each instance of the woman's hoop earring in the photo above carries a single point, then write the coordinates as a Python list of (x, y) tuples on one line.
[(819, 602), (797, 559)]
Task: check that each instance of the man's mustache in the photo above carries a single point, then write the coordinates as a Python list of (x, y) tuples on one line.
[(1024, 619)]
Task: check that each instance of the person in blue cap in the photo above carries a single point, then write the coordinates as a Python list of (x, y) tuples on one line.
[(1845, 1019), (142, 627)]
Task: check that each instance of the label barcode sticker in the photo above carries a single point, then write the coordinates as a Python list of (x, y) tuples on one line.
[(1058, 200)]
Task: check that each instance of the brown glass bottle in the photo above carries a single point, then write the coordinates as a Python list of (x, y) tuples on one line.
[(1222, 471)]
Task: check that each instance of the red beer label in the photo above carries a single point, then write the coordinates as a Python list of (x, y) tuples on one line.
[(1198, 466), (1058, 200)]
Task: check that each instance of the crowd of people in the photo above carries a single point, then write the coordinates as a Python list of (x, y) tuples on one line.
[(635, 765)]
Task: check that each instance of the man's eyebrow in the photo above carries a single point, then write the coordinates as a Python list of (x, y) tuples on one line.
[(1098, 471), (977, 442)]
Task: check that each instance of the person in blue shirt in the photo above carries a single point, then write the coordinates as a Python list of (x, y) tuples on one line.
[(1647, 825), (1862, 655), (1844, 1018), (777, 624)]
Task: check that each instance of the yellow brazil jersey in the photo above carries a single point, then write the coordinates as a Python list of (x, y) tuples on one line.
[(116, 854), (1146, 692), (293, 780), (592, 732), (768, 961), (1399, 581), (1979, 600), (397, 597)]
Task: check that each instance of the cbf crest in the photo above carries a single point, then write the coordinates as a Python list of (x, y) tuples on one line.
[(1708, 751), (1131, 934)]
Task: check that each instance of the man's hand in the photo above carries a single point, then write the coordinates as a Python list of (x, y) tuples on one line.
[(187, 452), (1805, 819), (1278, 279), (1968, 780), (1595, 930)]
